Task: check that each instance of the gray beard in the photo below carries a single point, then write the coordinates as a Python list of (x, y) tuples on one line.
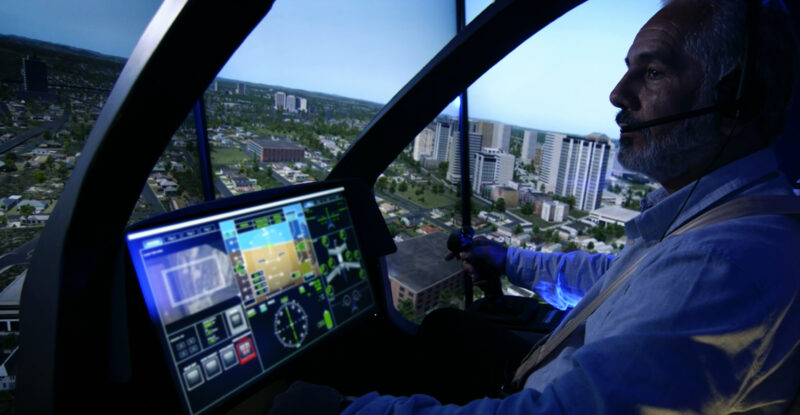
[(666, 157)]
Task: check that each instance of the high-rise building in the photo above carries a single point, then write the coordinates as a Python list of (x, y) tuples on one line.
[(214, 86), (551, 154), (241, 88), (486, 129), (529, 141), (291, 103), (302, 104), (501, 137), (34, 74), (492, 166), (440, 141), (280, 100), (576, 166), (554, 211), (454, 159), (423, 144)]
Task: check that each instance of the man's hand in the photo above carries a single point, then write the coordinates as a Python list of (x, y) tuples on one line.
[(484, 262), (305, 398)]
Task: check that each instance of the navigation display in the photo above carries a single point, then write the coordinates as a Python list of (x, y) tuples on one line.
[(236, 294)]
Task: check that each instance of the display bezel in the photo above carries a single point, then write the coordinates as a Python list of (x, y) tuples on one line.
[(362, 217)]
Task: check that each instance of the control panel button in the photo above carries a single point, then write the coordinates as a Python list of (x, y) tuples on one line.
[(245, 350), (211, 366), (192, 376), (228, 357)]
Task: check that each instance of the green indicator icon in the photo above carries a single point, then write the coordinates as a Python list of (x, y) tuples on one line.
[(361, 274), (208, 324), (325, 241), (330, 262), (328, 320), (320, 324), (342, 235), (284, 300), (318, 285), (302, 289), (329, 291), (323, 269), (348, 256), (276, 218), (357, 254), (250, 313)]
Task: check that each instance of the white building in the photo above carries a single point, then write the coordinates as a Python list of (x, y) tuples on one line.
[(241, 88), (492, 166), (528, 146), (291, 103), (280, 100), (501, 137), (454, 156), (555, 211), (612, 214), (441, 141), (576, 166), (302, 104), (423, 144)]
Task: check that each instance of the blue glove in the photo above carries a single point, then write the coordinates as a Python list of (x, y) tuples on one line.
[(305, 398), (485, 261)]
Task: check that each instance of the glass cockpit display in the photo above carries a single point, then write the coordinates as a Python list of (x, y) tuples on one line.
[(237, 293)]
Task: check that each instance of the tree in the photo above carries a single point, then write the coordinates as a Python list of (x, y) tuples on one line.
[(590, 245), (406, 309), (26, 210), (403, 186), (500, 205), (526, 209), (4, 220), (517, 229), (39, 176)]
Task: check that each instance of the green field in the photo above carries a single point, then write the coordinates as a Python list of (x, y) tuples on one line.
[(227, 155), (427, 199), (535, 220)]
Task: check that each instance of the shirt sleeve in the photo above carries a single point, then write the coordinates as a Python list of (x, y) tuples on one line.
[(711, 342), (561, 279)]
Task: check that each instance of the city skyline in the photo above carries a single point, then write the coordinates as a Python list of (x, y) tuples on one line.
[(537, 86)]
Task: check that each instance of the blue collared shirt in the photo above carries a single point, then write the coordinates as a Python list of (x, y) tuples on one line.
[(708, 323)]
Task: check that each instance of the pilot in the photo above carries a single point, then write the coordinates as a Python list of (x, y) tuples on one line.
[(700, 312)]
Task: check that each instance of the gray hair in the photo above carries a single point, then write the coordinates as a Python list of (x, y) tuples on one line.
[(719, 44)]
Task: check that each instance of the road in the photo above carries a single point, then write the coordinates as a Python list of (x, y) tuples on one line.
[(222, 189), (21, 255), (53, 127), (152, 199)]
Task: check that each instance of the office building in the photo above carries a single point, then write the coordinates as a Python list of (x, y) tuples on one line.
[(34, 74), (454, 159), (576, 166), (529, 141), (291, 103), (302, 104), (241, 88), (492, 166), (418, 274), (280, 100), (441, 141), (501, 137), (554, 211), (275, 149), (486, 129), (423, 144)]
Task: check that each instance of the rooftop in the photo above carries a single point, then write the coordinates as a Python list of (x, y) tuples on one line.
[(276, 143), (419, 262), (615, 212)]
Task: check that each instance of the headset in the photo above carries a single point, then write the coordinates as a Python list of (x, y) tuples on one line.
[(735, 95)]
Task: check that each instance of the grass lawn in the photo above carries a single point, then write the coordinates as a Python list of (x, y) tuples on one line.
[(427, 199), (535, 220), (227, 155)]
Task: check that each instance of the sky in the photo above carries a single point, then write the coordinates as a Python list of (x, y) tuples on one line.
[(559, 80)]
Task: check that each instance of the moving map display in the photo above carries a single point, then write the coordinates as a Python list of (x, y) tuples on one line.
[(236, 294)]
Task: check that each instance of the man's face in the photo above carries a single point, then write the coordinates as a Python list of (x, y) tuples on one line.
[(663, 79)]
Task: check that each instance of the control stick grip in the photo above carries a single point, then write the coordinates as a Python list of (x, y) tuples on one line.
[(489, 281)]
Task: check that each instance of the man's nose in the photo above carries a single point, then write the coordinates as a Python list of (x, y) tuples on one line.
[(622, 95)]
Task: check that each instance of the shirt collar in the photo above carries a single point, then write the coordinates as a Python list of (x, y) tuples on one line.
[(659, 207)]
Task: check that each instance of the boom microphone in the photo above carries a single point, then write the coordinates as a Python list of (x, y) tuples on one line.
[(670, 118)]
